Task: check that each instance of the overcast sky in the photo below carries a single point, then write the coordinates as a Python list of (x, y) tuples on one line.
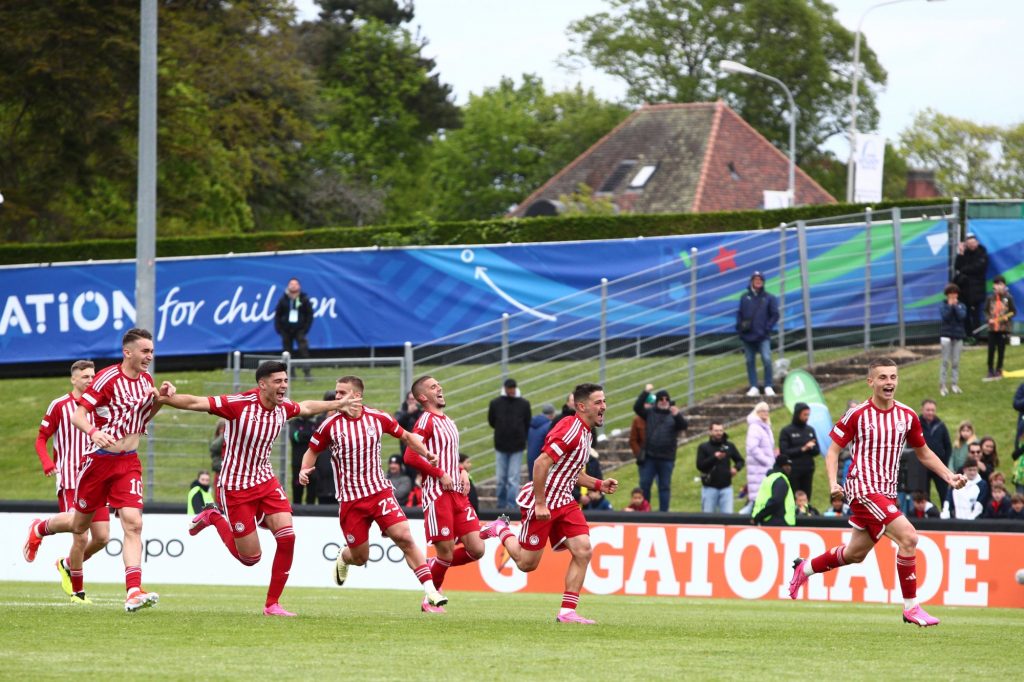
[(960, 57)]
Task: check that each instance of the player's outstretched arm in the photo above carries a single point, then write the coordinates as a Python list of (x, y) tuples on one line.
[(932, 462), (835, 490), (308, 465), (184, 401), (413, 442), (309, 408), (607, 485), (80, 420), (166, 389)]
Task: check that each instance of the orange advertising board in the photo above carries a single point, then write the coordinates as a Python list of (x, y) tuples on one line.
[(749, 562)]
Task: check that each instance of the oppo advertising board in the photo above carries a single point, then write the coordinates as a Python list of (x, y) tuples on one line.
[(744, 562)]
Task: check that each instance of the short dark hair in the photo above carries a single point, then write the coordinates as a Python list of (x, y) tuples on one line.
[(202, 472), (79, 365), (134, 334), (584, 391), (970, 462), (998, 279), (714, 423), (463, 457), (636, 490), (355, 381), (417, 384), (881, 362), (268, 367), (918, 496), (951, 289), (927, 401)]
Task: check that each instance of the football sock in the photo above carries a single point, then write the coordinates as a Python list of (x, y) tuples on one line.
[(42, 528), (77, 579), (906, 569), (132, 578), (226, 536), (460, 557), (570, 600), (822, 563), (505, 533), (437, 570), (425, 578), (282, 563)]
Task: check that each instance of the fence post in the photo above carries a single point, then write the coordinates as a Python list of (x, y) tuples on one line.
[(782, 289), (504, 346), (897, 253), (805, 289), (954, 237), (283, 469), (691, 396), (407, 370), (867, 279), (603, 346), (236, 370)]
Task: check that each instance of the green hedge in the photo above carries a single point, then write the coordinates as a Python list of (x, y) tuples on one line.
[(496, 231)]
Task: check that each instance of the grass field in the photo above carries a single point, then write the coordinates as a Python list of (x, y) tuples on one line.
[(219, 633)]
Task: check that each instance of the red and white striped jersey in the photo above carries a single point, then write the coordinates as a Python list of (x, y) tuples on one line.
[(69, 444), (440, 436), (568, 445), (355, 451), (248, 437), (123, 405), (876, 438)]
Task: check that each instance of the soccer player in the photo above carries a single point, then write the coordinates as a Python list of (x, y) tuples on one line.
[(365, 494), (446, 509), (247, 489), (121, 400), (549, 512), (876, 431)]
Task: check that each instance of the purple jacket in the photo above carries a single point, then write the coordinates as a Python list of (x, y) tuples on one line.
[(760, 453)]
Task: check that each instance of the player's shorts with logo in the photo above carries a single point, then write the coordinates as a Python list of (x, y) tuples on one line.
[(566, 521), (109, 478), (356, 516), (873, 512), (66, 502), (245, 508), (450, 516)]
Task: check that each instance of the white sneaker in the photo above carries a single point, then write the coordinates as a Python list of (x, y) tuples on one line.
[(956, 389), (769, 391), (943, 392), (753, 392), (340, 569)]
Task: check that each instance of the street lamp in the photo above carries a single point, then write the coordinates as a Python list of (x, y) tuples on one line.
[(853, 94), (729, 66)]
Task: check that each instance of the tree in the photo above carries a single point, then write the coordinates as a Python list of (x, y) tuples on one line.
[(668, 50), (512, 140)]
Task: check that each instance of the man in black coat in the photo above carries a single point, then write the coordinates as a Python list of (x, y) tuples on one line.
[(799, 442), (971, 265), (664, 423), (718, 461), (936, 435), (756, 316), (509, 416), (292, 319)]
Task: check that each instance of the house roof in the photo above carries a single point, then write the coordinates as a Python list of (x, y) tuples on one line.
[(705, 158)]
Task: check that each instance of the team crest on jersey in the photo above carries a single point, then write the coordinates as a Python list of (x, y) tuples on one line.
[(82, 503), (351, 538), (445, 531), (239, 527), (901, 426), (892, 509), (534, 539)]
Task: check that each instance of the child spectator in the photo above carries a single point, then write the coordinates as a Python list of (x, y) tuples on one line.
[(961, 445), (1016, 507), (595, 500), (998, 506), (637, 503), (968, 502), (953, 316), (989, 460), (922, 509), (838, 508), (999, 311), (803, 505)]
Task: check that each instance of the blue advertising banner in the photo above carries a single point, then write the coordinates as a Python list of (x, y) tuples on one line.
[(385, 297)]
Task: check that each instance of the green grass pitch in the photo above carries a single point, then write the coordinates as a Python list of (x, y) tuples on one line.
[(219, 633)]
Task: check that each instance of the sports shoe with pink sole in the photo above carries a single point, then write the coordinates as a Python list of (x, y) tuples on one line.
[(798, 579), (919, 617), (139, 600), (32, 543), (494, 528), (202, 519), (276, 610), (427, 607), (573, 617)]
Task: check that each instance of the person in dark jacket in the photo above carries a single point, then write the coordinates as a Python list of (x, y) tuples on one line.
[(718, 461), (539, 427), (952, 318), (971, 266), (756, 317), (998, 505), (299, 433), (799, 442), (409, 412), (509, 416), (292, 319), (568, 411), (923, 508), (466, 462), (775, 504), (936, 435), (664, 422)]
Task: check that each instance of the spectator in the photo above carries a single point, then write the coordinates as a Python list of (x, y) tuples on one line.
[(466, 462), (799, 442), (838, 508), (415, 498), (292, 320), (971, 265), (509, 416), (999, 312), (952, 319), (775, 505), (637, 502), (845, 456), (664, 422), (539, 427), (299, 432), (803, 505), (1018, 445), (596, 501), (400, 481), (199, 495), (998, 506), (922, 508), (638, 430), (217, 449), (1016, 507), (409, 412), (718, 461), (756, 317), (936, 435), (996, 477), (988, 462), (968, 502), (760, 451), (962, 444)]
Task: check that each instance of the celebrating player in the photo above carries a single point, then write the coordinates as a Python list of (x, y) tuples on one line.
[(121, 396), (876, 430), (365, 495), (247, 488), (446, 508), (548, 509), (69, 446)]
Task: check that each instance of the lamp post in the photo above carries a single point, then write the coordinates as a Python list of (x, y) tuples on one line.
[(729, 66), (853, 94)]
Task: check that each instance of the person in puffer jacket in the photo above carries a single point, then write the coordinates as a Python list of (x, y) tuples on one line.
[(760, 451)]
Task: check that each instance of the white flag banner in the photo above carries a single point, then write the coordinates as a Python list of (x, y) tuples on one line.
[(869, 159), (774, 198)]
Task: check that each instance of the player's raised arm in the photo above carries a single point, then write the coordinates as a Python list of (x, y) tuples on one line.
[(184, 401), (415, 443), (309, 408), (932, 462)]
